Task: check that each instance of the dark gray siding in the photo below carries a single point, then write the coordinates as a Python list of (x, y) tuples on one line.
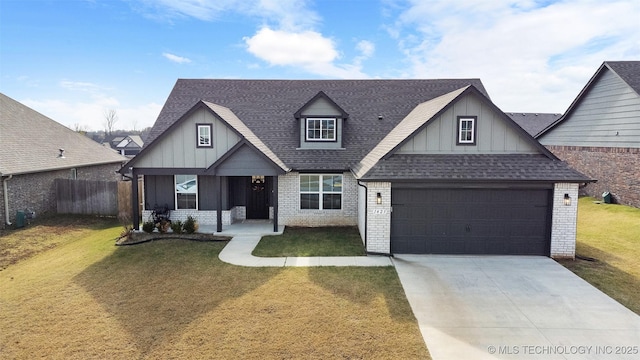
[(246, 162), (159, 190)]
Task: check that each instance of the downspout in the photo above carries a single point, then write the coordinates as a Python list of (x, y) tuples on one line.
[(366, 202), (5, 195)]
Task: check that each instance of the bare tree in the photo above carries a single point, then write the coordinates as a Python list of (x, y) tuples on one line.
[(77, 127), (111, 117)]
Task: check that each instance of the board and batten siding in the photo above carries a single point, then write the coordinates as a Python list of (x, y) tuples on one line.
[(178, 149), (608, 115), (493, 134)]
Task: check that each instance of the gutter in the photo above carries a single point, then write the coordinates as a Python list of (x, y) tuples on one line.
[(5, 195)]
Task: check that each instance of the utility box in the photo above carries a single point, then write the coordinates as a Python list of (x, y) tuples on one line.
[(20, 219)]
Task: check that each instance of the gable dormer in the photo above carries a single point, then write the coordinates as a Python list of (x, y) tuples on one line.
[(321, 123)]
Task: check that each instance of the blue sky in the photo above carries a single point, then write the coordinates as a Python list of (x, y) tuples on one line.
[(74, 59)]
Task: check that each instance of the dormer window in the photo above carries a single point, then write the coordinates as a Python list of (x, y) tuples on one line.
[(321, 129), (321, 123)]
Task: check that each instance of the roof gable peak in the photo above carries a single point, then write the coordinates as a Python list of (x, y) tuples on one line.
[(320, 96)]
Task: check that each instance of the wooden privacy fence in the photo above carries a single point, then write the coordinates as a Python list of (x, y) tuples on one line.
[(91, 197)]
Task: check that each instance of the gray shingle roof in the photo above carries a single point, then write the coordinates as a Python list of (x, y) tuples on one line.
[(533, 123), (267, 107), (30, 142), (474, 167), (629, 71), (230, 118)]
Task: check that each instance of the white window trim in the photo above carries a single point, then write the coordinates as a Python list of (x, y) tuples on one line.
[(335, 130), (175, 191), (320, 192), (209, 127), (462, 120)]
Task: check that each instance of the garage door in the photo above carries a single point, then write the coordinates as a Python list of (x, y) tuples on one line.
[(470, 221)]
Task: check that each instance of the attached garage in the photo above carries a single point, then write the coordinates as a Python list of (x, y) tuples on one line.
[(471, 221)]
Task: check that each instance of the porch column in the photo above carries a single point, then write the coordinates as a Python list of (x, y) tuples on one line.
[(218, 186), (274, 194), (134, 199)]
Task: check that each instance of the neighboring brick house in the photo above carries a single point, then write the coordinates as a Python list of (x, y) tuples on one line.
[(35, 150), (420, 166), (600, 132)]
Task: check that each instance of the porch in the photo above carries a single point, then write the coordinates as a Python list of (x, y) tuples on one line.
[(243, 227)]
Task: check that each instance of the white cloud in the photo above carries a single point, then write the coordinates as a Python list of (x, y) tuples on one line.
[(176, 58), (531, 56), (366, 48), (308, 50)]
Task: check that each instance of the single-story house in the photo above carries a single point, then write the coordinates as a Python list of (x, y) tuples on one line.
[(420, 166), (599, 134), (35, 150)]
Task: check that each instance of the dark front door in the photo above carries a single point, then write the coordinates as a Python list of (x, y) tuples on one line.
[(470, 221), (258, 198)]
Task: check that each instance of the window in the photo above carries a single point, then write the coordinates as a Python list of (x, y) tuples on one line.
[(320, 129), (73, 174), (204, 135), (467, 130), (186, 191), (321, 192)]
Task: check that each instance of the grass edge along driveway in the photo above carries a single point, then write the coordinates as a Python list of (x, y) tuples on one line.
[(610, 234), (175, 299)]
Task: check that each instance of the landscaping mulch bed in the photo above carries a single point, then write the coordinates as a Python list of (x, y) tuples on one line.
[(143, 237)]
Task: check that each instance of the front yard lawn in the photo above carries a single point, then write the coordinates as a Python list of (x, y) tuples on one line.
[(323, 241), (610, 234), (86, 298)]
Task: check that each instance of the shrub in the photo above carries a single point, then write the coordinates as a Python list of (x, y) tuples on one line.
[(190, 225), (163, 226), (148, 226), (176, 226)]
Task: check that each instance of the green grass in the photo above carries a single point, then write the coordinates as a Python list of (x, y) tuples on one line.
[(88, 299), (611, 235), (301, 241)]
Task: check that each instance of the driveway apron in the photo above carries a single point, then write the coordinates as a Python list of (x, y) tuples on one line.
[(513, 307)]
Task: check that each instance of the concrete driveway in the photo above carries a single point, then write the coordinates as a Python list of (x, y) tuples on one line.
[(513, 307)]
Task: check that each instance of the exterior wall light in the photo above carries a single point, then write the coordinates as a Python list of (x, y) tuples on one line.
[(567, 200), (379, 198)]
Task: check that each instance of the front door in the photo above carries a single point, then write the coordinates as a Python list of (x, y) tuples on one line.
[(258, 198)]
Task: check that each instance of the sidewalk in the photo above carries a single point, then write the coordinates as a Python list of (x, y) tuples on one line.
[(238, 252)]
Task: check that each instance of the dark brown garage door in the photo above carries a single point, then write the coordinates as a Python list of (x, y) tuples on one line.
[(470, 221)]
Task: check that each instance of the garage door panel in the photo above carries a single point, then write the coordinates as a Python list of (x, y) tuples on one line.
[(470, 221)]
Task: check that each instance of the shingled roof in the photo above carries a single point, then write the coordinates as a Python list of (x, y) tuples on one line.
[(533, 123), (268, 107), (474, 167), (30, 142)]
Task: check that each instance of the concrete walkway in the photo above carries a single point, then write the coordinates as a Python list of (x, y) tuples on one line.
[(513, 307), (238, 252)]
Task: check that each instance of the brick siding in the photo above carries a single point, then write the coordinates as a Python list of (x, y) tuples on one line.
[(616, 169), (379, 218), (564, 221), (36, 191), (290, 214)]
